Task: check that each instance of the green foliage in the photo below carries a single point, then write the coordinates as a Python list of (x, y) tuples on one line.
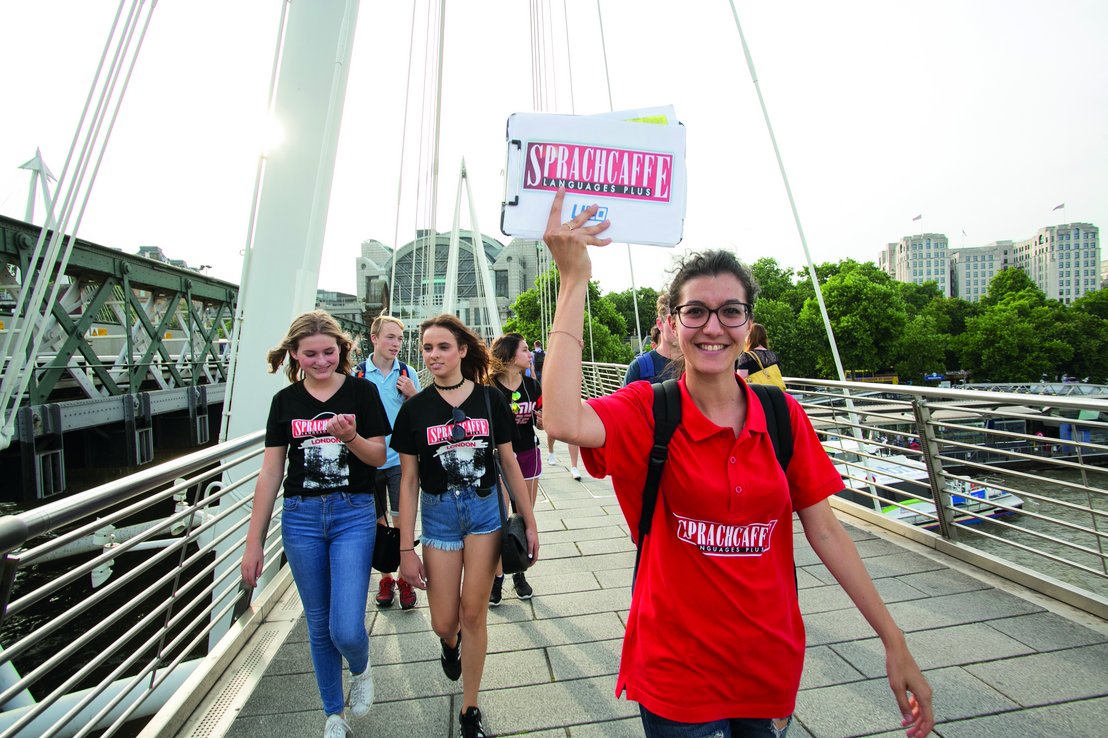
[(1013, 334), (921, 348), (774, 281), (1094, 303), (1009, 283), (867, 314), (624, 304), (608, 325)]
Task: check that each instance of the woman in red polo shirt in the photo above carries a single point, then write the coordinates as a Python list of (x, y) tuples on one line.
[(728, 660)]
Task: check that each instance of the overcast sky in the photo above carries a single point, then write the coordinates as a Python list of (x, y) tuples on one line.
[(980, 115)]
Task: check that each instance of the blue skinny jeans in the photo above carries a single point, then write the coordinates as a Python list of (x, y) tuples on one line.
[(329, 545)]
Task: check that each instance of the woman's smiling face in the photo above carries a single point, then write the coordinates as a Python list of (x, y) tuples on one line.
[(318, 356), (713, 347)]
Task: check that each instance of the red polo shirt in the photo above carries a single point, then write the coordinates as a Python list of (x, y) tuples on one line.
[(714, 630)]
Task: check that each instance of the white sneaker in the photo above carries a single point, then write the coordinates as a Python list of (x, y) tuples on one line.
[(336, 727), (361, 692), (574, 473), (552, 459)]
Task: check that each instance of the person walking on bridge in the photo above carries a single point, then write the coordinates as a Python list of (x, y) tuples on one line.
[(653, 365), (728, 661), (396, 382), (330, 427), (445, 436)]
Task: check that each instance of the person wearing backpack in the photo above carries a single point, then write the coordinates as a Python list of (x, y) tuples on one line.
[(652, 365), (714, 640), (396, 382)]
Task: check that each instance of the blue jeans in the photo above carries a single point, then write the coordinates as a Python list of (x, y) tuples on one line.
[(658, 727), (329, 545)]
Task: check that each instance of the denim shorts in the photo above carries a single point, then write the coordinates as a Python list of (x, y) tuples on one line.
[(448, 518)]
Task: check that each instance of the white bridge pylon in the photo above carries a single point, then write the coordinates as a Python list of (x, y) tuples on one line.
[(481, 263)]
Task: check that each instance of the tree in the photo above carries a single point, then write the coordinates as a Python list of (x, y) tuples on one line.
[(918, 296), (624, 304), (1014, 341), (867, 315), (608, 326), (774, 281), (921, 348), (1094, 303), (1008, 283)]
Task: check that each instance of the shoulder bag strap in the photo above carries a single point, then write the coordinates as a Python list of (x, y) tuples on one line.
[(496, 462)]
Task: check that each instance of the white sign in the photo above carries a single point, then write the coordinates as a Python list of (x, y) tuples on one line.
[(631, 164)]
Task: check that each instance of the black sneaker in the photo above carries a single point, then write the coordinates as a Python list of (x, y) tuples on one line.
[(497, 591), (523, 589), (471, 723), (451, 659)]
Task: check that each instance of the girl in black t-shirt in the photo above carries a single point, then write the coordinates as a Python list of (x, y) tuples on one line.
[(445, 437), (331, 427), (510, 358)]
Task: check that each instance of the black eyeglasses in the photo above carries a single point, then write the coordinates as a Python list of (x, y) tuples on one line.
[(457, 432), (730, 314)]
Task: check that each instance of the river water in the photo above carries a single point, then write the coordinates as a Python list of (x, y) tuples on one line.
[(1058, 501)]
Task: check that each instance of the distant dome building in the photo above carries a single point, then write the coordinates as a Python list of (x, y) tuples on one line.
[(419, 289)]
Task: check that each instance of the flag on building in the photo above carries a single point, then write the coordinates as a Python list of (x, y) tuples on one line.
[(918, 217), (1058, 207)]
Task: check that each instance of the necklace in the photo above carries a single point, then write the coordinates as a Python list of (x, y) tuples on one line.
[(451, 387)]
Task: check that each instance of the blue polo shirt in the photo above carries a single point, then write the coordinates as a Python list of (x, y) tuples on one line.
[(391, 398)]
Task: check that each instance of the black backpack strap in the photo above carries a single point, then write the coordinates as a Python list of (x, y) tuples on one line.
[(667, 416), (777, 421)]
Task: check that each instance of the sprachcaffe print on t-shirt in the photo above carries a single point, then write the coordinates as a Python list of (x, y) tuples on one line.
[(722, 539), (453, 445), (325, 457), (319, 463), (463, 461)]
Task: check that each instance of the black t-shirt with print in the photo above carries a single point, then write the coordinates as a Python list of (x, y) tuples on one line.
[(423, 429), (524, 438), (319, 463)]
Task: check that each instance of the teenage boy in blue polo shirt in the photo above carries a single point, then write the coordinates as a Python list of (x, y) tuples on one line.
[(396, 382)]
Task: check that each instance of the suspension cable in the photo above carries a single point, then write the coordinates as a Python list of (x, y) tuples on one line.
[(54, 260), (792, 201), (400, 176)]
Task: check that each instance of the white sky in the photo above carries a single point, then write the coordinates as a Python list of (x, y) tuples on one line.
[(980, 115)]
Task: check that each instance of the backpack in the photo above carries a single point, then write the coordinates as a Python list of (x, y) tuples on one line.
[(645, 362), (667, 416)]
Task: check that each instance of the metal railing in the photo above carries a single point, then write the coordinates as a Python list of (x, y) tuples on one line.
[(1015, 483), (114, 598), (109, 598)]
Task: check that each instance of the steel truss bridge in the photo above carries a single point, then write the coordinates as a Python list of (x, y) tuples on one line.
[(129, 338)]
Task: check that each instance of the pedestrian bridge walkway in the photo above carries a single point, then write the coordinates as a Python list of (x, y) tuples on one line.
[(1002, 661)]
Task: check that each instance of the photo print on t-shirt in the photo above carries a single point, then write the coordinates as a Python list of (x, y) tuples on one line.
[(324, 455), (463, 461)]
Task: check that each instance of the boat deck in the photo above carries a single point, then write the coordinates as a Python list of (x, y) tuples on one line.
[(1002, 661)]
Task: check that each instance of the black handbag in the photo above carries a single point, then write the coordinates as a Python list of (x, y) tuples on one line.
[(386, 548), (513, 539)]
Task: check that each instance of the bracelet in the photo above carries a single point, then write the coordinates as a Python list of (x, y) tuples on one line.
[(580, 342), (406, 549), (347, 443)]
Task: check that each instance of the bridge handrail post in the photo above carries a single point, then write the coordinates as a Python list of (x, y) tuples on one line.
[(929, 444)]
